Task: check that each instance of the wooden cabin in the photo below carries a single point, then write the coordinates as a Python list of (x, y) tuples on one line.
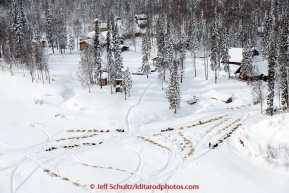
[(103, 27), (130, 35)]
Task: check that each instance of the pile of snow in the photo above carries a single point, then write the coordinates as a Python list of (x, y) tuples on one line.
[(218, 95), (266, 138)]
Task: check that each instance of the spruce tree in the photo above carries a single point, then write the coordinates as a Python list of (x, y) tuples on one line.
[(214, 46), (283, 60), (169, 48), (271, 78), (97, 55), (127, 82), (174, 89), (49, 33), (183, 55), (247, 60), (160, 54), (71, 43), (63, 33), (145, 59), (117, 54), (18, 31), (267, 29), (193, 44), (225, 53)]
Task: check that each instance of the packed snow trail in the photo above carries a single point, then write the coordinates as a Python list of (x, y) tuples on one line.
[(139, 102)]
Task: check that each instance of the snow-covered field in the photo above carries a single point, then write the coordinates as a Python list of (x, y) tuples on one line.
[(81, 126)]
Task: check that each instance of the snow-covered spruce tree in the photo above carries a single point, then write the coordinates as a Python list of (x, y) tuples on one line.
[(49, 32), (37, 36), (113, 31), (225, 52), (18, 30), (169, 47), (117, 54), (108, 35), (111, 67), (97, 55), (247, 60), (160, 59), (127, 83), (182, 55), (71, 43), (267, 29), (110, 61), (84, 70), (23, 16), (174, 89), (145, 59), (271, 78), (283, 60), (63, 33), (214, 47), (193, 44)]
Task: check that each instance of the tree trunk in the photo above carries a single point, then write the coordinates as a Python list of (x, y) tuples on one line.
[(100, 80), (195, 65), (229, 70), (182, 71)]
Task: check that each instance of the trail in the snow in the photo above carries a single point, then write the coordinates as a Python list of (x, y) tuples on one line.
[(139, 102)]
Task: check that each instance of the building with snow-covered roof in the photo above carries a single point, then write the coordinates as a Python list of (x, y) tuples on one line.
[(141, 20), (88, 40), (103, 27)]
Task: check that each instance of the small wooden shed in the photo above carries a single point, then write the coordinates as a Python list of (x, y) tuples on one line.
[(155, 60), (83, 45), (103, 81), (118, 84)]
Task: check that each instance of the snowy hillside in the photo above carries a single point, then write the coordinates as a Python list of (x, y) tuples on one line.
[(81, 126)]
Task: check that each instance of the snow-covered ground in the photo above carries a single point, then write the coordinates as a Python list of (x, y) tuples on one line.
[(82, 127)]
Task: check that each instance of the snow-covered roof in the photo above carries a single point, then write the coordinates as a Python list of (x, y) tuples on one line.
[(236, 54), (88, 41), (104, 75), (141, 16), (220, 95), (103, 25), (140, 22), (90, 36), (96, 20)]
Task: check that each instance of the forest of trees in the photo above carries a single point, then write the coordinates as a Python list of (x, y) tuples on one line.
[(204, 27)]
